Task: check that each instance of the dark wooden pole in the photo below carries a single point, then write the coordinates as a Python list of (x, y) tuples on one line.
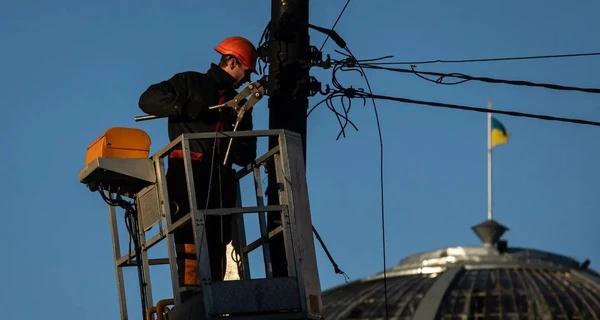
[(288, 52)]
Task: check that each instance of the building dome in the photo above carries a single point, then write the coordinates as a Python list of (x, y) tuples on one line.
[(488, 282)]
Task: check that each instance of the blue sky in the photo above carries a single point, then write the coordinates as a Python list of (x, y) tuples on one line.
[(72, 69)]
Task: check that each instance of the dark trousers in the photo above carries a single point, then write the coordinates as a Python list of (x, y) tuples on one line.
[(218, 229)]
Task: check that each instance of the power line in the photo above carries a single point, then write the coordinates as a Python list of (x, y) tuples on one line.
[(381, 184), (556, 56), (352, 93), (481, 79), (342, 44), (476, 109), (337, 270), (353, 64), (265, 38), (335, 23), (356, 93)]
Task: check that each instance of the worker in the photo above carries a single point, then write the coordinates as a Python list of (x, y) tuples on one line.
[(185, 99)]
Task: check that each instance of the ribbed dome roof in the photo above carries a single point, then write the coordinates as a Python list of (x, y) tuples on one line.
[(488, 282)]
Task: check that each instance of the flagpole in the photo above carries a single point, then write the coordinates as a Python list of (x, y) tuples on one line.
[(489, 156)]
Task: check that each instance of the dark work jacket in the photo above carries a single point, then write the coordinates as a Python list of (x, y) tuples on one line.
[(185, 99)]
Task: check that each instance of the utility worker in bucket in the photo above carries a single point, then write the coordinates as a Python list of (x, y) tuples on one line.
[(185, 99)]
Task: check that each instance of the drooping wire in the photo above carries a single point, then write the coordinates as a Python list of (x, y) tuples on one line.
[(262, 66), (328, 102), (132, 225), (351, 93), (381, 186), (350, 63), (335, 265), (341, 93), (465, 78), (359, 93), (555, 56)]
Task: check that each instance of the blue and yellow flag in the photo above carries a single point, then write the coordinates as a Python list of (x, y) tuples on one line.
[(499, 135)]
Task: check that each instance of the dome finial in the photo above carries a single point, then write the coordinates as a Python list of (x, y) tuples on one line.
[(489, 232)]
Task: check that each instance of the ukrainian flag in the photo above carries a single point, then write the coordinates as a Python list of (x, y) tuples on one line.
[(499, 135)]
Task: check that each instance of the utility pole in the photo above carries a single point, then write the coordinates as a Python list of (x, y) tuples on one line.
[(288, 89)]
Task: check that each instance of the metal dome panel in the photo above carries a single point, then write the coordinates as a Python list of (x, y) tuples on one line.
[(519, 293), (473, 283), (365, 300)]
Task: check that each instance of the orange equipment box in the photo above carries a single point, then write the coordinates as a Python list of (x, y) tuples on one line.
[(118, 142)]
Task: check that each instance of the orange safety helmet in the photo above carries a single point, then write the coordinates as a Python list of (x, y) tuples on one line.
[(240, 48)]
